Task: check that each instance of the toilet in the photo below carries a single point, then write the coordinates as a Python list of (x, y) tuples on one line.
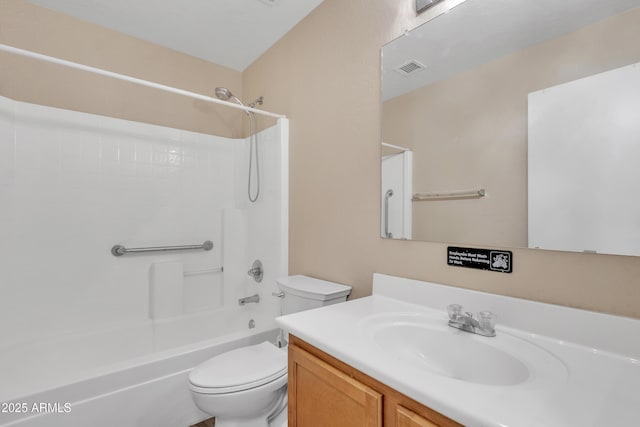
[(247, 387)]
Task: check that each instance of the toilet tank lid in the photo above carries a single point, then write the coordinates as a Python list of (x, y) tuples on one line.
[(312, 288)]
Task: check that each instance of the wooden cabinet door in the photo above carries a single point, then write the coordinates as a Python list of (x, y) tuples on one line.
[(321, 396), (408, 418)]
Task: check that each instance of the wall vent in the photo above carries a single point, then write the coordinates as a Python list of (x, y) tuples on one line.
[(410, 67)]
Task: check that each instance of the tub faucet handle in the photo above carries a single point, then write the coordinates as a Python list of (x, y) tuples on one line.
[(256, 271)]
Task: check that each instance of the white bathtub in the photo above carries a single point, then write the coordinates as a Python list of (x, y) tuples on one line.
[(123, 376)]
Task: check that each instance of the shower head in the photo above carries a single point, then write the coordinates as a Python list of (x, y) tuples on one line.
[(225, 94)]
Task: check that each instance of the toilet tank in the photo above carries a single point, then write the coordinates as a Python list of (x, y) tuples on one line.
[(304, 293)]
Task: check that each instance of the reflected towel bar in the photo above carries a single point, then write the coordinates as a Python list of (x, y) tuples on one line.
[(452, 195), (119, 250)]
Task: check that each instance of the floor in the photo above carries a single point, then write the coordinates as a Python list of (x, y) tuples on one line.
[(211, 422)]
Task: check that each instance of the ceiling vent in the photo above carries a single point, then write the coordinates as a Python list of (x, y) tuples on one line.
[(410, 67), (270, 2)]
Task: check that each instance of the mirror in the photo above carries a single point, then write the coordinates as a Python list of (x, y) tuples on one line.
[(515, 124)]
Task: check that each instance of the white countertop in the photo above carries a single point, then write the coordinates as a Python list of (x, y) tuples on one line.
[(586, 385)]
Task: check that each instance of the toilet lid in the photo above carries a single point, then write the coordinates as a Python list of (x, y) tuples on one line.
[(240, 369)]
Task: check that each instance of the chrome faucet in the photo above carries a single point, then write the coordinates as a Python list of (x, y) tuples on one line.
[(246, 300), (484, 325)]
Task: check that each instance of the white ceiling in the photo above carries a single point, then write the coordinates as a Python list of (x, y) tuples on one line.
[(233, 33), (478, 31)]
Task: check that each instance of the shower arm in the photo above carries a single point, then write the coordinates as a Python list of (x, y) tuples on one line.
[(258, 101)]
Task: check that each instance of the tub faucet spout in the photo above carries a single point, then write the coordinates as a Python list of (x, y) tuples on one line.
[(246, 300)]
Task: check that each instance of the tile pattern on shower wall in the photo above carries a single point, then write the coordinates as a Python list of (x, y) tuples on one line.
[(71, 186)]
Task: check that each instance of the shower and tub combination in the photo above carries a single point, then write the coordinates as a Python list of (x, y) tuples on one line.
[(108, 295)]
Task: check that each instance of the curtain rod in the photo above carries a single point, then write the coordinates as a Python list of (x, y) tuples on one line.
[(135, 80)]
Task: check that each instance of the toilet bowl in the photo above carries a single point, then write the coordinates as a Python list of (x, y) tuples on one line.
[(247, 387), (242, 387)]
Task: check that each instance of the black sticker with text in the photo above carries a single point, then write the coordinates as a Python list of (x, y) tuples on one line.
[(482, 259)]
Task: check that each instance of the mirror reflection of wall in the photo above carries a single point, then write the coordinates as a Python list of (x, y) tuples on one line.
[(464, 115)]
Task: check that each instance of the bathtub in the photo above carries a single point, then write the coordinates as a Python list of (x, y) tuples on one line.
[(121, 376)]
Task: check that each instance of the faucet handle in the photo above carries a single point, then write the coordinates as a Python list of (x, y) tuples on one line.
[(455, 311), (487, 320)]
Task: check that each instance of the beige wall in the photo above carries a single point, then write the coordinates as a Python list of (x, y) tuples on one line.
[(470, 130), (325, 75), (34, 28)]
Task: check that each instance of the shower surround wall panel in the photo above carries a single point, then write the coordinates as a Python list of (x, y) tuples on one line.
[(82, 183), (266, 229), (72, 185)]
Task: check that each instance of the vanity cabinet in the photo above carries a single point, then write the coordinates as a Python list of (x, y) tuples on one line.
[(324, 391), (408, 418)]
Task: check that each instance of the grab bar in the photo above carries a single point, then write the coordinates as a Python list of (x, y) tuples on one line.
[(449, 195), (388, 194), (119, 250)]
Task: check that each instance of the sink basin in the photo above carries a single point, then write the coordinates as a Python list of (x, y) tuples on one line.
[(427, 343), (471, 360)]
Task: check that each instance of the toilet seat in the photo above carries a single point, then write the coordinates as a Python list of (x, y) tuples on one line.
[(240, 369)]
